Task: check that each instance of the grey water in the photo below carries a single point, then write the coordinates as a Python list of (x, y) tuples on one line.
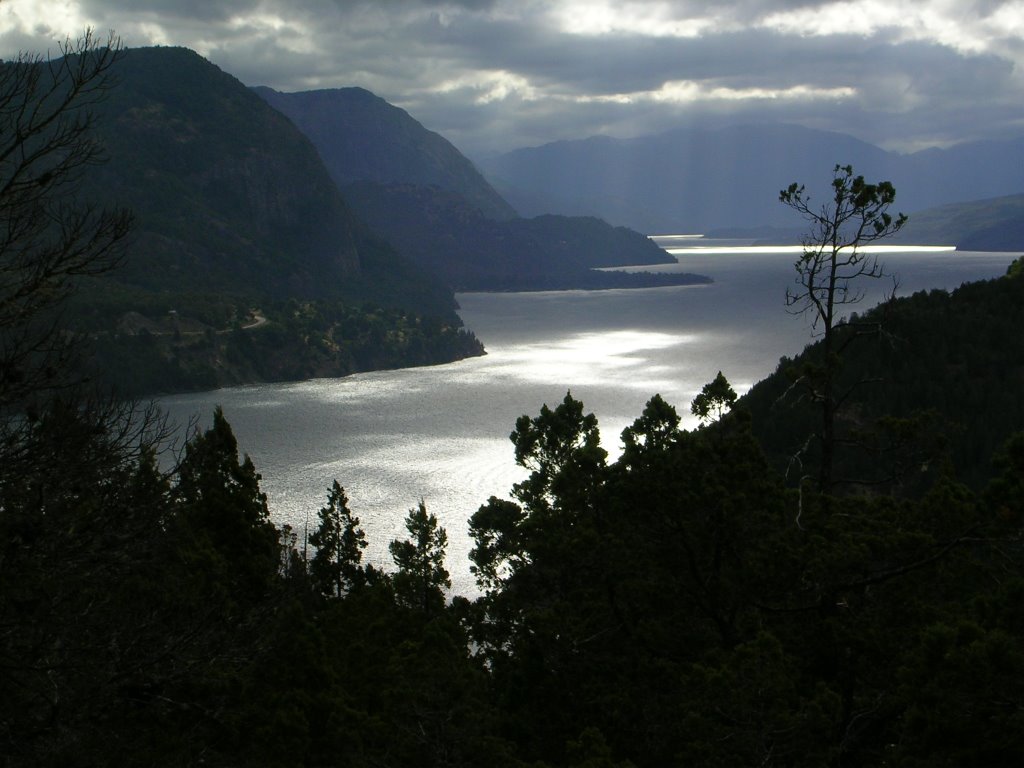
[(440, 433)]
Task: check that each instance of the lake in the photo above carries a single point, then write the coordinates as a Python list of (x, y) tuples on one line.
[(441, 433)]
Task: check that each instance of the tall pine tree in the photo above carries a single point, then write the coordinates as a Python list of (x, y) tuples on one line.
[(339, 541), (421, 578)]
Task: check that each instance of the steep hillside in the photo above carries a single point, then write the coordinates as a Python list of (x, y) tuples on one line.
[(697, 180), (230, 197), (947, 366), (361, 137), (245, 264), (429, 201)]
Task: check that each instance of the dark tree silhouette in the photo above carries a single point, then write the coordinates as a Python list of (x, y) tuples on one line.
[(714, 401), (421, 578), (49, 236), (828, 274), (339, 542)]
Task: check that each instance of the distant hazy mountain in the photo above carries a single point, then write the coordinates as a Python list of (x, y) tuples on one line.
[(415, 189), (361, 137), (995, 224), (699, 180), (230, 197)]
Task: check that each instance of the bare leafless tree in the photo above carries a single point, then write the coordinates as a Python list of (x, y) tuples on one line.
[(49, 235), (829, 275)]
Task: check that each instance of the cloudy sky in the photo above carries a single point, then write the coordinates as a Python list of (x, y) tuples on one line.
[(491, 75)]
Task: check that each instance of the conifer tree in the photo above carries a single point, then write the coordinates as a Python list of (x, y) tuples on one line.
[(562, 449), (339, 541), (421, 578), (714, 401), (655, 430), (220, 502)]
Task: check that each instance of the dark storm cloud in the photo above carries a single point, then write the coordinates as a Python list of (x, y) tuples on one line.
[(494, 74), (192, 10)]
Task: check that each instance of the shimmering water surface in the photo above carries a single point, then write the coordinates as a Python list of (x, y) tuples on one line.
[(441, 433)]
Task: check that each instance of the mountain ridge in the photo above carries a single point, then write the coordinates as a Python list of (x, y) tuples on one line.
[(696, 180), (990, 224), (236, 218), (230, 196), (362, 137), (452, 239), (421, 194)]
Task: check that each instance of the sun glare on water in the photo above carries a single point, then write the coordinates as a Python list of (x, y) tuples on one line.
[(586, 358), (737, 249)]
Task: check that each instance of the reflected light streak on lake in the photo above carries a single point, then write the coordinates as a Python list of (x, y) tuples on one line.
[(586, 358), (797, 249)]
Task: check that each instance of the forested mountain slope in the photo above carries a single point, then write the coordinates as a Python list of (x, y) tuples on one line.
[(228, 195), (679, 605), (950, 364), (234, 211), (994, 224)]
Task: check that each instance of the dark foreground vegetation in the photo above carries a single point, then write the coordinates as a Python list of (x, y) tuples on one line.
[(685, 604), (682, 605)]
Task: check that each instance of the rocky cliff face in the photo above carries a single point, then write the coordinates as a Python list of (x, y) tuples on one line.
[(228, 194)]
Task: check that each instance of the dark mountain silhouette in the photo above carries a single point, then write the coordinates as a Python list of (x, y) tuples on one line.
[(694, 180), (230, 197), (246, 264), (453, 240), (426, 199), (949, 360)]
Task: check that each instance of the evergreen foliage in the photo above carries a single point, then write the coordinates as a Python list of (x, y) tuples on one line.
[(945, 378), (714, 401), (679, 605), (421, 580), (283, 341), (223, 511), (339, 541)]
